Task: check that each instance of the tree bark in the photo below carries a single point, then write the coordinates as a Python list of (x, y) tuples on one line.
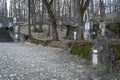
[(80, 27)]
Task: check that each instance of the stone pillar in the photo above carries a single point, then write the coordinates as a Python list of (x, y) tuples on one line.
[(16, 31), (101, 56), (75, 35)]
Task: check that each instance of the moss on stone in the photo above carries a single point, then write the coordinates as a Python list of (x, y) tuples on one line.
[(82, 49)]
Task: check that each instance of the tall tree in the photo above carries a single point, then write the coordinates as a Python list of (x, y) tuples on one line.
[(82, 5), (102, 10), (48, 4), (3, 10), (29, 28), (41, 15), (33, 13)]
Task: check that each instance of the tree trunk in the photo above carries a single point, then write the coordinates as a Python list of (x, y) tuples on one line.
[(34, 16), (82, 6), (54, 31), (48, 33), (41, 17), (29, 28), (80, 29), (54, 25)]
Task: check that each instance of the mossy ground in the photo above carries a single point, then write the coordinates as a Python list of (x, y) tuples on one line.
[(42, 42), (82, 49)]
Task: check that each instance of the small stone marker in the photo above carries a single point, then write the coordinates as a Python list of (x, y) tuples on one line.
[(95, 57), (17, 31), (75, 34)]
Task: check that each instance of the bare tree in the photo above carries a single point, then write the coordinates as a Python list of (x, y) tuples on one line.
[(29, 28), (41, 15), (53, 20), (82, 6), (102, 10), (3, 11), (33, 14)]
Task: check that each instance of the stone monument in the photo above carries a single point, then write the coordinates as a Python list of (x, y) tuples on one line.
[(101, 54)]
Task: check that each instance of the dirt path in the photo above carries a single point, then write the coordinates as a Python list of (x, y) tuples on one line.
[(30, 62)]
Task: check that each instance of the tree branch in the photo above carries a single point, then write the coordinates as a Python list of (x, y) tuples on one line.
[(86, 5), (82, 2), (50, 2)]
